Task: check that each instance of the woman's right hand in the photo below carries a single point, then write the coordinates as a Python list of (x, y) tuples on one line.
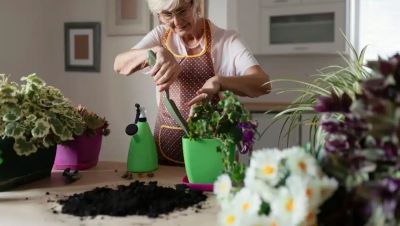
[(166, 69)]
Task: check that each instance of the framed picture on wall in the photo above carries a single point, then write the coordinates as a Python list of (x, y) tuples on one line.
[(82, 46), (202, 8), (128, 17)]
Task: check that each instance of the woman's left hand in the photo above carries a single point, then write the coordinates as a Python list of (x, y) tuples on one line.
[(209, 89)]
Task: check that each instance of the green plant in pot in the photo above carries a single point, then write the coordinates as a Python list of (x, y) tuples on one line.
[(83, 152), (214, 130), (34, 118), (94, 124), (334, 78)]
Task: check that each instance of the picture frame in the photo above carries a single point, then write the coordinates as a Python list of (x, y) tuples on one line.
[(82, 42), (127, 17), (203, 4)]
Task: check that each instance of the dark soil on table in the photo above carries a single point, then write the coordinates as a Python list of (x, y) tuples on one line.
[(136, 198)]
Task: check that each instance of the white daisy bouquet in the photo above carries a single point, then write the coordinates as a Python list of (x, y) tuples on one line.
[(281, 188)]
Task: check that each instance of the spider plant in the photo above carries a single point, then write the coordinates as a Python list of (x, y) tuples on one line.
[(335, 78)]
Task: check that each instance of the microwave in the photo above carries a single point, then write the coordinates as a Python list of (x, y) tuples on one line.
[(303, 26)]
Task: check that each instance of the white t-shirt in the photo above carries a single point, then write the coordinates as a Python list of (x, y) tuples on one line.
[(229, 55)]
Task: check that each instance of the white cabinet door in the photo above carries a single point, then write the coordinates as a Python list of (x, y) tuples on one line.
[(244, 17), (273, 3)]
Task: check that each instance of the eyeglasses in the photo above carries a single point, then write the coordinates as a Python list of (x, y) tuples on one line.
[(180, 12)]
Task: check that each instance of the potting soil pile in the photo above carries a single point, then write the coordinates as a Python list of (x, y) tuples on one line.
[(136, 198)]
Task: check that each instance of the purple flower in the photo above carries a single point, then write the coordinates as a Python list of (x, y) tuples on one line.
[(248, 135), (364, 140), (327, 103), (247, 147), (248, 125), (385, 67), (337, 143), (390, 149), (332, 125), (346, 102), (248, 130), (333, 103), (374, 88), (391, 67), (355, 123)]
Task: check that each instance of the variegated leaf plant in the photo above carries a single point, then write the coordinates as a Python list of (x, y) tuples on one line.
[(36, 115)]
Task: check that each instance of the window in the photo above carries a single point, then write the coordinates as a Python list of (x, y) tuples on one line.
[(379, 27)]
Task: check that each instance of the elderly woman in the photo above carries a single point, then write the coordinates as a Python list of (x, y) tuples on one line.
[(195, 60)]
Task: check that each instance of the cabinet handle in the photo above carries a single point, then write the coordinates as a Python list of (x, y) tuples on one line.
[(300, 48)]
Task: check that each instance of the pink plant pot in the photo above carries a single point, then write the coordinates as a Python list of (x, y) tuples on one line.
[(81, 153)]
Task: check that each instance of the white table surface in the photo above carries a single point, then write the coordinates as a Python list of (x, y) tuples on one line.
[(30, 205)]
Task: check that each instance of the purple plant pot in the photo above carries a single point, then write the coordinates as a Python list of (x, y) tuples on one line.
[(81, 153)]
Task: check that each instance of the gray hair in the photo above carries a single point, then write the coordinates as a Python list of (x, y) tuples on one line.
[(157, 6)]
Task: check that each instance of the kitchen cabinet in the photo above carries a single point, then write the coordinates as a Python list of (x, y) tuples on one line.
[(275, 27)]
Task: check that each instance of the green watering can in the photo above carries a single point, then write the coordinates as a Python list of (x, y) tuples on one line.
[(142, 155)]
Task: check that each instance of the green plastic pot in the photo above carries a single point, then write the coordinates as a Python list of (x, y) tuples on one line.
[(17, 170), (203, 163)]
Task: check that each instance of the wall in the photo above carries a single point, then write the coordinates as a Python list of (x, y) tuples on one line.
[(22, 37), (32, 40)]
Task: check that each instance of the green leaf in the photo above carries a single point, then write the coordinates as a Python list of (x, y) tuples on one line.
[(56, 126), (265, 209), (33, 79), (23, 147), (31, 117), (10, 117), (47, 142), (78, 128), (41, 128), (13, 129), (66, 135), (215, 117)]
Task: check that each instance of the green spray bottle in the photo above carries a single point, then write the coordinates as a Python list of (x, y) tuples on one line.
[(142, 156)]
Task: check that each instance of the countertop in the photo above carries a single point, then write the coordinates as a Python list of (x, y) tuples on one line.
[(34, 203)]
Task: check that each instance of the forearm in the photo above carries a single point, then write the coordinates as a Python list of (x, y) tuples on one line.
[(251, 85), (132, 60)]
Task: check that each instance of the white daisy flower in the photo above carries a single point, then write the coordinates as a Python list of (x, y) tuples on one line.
[(300, 162), (230, 217), (222, 186), (288, 206), (266, 163), (309, 187), (247, 202), (264, 190)]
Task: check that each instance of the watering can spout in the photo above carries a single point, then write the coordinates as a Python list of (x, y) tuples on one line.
[(132, 129)]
